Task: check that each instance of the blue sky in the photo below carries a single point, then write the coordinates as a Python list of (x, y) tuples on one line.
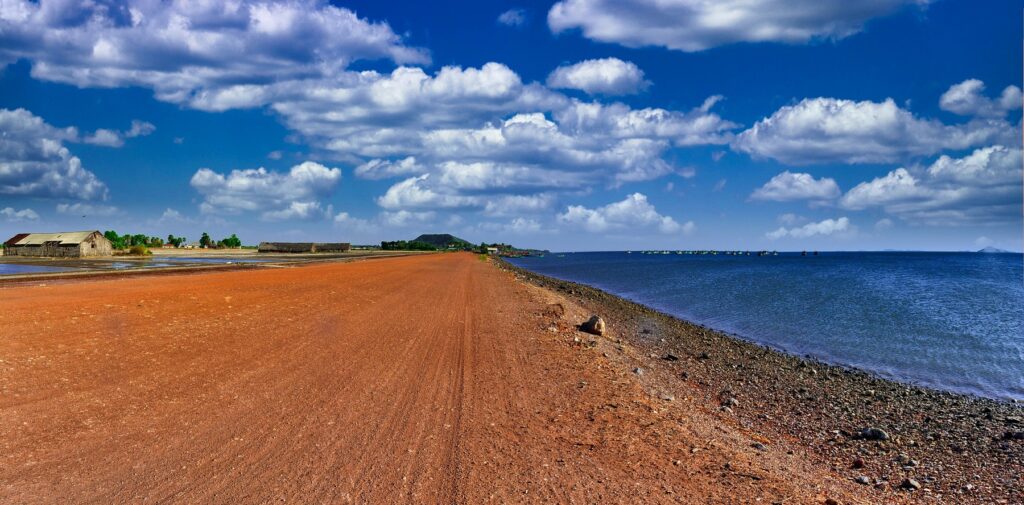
[(574, 125)]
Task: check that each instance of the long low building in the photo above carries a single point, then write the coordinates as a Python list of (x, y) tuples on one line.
[(304, 247), (74, 244)]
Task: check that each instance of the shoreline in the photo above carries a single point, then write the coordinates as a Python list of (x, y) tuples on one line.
[(950, 444), (820, 358)]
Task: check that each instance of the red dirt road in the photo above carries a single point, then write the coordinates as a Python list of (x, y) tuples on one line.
[(430, 379)]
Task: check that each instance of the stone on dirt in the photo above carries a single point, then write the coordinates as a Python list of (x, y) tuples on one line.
[(871, 433), (594, 325)]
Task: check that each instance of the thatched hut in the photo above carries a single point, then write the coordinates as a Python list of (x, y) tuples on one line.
[(331, 247), (304, 247), (285, 247)]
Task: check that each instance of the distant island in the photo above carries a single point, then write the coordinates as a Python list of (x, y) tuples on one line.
[(449, 242), (443, 241), (991, 249)]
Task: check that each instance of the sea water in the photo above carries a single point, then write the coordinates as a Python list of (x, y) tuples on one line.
[(17, 268), (952, 321)]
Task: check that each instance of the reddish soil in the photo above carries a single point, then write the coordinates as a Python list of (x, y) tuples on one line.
[(430, 379)]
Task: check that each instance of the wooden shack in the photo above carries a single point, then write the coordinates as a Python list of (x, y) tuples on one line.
[(75, 244)]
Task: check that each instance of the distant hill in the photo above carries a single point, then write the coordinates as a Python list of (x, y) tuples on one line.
[(991, 249), (441, 240)]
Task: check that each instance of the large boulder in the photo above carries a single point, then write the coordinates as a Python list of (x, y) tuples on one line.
[(594, 326)]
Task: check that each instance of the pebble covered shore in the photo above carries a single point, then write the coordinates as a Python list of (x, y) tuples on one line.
[(906, 443)]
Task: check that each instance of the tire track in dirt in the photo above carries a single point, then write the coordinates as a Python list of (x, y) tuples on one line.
[(426, 379)]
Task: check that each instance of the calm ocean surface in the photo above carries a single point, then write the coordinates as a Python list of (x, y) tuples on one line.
[(951, 321)]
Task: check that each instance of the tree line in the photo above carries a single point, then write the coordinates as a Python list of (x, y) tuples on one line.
[(407, 245), (418, 245), (129, 240)]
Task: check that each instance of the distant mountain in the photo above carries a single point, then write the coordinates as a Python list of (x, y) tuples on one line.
[(991, 249), (441, 240)]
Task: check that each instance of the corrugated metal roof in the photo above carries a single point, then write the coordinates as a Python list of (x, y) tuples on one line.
[(14, 240), (67, 237)]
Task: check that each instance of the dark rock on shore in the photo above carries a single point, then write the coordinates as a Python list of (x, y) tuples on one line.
[(874, 434), (594, 326)]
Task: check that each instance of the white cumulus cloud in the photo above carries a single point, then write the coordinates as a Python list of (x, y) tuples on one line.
[(606, 76), (828, 130), (509, 205), (418, 193), (274, 195), (481, 134), (303, 211), (113, 138), (13, 215), (459, 125), (86, 209), (789, 186), (184, 50), (34, 161), (983, 187), (382, 169), (513, 17), (404, 218), (966, 99), (634, 212), (172, 216), (826, 227), (696, 25)]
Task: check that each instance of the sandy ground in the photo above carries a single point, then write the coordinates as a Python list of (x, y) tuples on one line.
[(427, 379)]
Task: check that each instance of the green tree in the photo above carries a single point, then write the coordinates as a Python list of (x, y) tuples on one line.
[(403, 245), (233, 242), (205, 240), (115, 240)]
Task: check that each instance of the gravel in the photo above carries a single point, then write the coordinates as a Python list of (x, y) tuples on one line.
[(840, 415)]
